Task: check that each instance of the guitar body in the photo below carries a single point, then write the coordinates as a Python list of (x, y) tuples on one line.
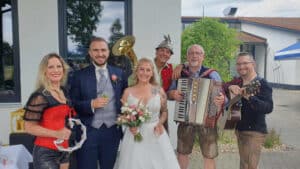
[(232, 115)]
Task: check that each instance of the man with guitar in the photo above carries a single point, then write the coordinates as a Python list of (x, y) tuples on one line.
[(251, 130)]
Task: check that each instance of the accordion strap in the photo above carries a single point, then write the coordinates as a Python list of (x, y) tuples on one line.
[(207, 72), (221, 111)]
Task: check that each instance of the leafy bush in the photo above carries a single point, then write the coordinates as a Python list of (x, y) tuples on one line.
[(272, 139), (218, 40), (227, 137)]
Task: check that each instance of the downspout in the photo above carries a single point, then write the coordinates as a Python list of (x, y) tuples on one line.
[(266, 59)]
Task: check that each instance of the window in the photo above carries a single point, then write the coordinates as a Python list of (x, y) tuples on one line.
[(185, 25), (250, 48), (80, 20), (9, 53)]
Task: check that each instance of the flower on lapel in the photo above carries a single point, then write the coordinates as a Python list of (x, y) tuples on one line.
[(114, 78)]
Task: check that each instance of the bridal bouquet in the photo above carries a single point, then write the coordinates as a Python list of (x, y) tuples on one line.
[(134, 116)]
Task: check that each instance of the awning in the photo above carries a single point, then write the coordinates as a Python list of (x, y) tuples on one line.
[(289, 53)]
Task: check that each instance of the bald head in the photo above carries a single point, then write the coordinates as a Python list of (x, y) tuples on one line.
[(195, 46)]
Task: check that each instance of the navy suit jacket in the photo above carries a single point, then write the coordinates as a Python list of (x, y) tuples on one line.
[(83, 88)]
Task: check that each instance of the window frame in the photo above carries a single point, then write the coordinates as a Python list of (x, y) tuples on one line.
[(16, 98), (62, 23)]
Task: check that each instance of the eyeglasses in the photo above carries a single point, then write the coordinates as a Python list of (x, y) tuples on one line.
[(195, 53), (243, 63)]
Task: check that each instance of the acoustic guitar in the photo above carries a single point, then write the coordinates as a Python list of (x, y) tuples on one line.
[(232, 114)]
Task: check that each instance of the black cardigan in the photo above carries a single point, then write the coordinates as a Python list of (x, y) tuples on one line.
[(255, 109)]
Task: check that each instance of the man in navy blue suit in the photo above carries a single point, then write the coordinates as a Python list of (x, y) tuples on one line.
[(96, 92)]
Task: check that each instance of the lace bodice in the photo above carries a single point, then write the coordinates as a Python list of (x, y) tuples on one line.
[(153, 105)]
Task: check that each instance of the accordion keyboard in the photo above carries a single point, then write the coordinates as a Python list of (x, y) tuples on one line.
[(183, 86)]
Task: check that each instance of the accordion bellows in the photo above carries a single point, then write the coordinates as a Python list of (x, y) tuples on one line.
[(197, 104)]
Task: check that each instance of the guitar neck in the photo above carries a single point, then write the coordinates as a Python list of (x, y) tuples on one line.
[(252, 88)]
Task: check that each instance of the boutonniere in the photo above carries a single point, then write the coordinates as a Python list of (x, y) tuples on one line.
[(114, 78)]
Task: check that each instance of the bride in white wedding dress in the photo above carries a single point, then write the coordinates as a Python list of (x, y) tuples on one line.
[(155, 150)]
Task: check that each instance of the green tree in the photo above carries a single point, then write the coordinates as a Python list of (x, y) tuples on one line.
[(82, 19), (116, 33), (122, 62), (219, 42), (7, 54)]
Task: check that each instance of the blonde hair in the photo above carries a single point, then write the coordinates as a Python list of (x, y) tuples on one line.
[(42, 80), (153, 79)]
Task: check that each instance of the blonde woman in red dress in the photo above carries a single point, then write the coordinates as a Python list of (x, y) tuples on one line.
[(46, 111)]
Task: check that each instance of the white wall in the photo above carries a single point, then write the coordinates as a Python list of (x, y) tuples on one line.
[(151, 20), (38, 35), (284, 72), (260, 59)]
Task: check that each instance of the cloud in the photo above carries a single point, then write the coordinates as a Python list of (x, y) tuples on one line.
[(7, 28), (269, 8), (111, 11), (262, 8)]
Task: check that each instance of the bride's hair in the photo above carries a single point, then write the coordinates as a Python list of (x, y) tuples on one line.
[(153, 79)]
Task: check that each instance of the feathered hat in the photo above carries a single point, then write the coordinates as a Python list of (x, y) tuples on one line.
[(166, 43)]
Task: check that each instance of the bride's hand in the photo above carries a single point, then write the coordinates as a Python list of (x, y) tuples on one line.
[(158, 129), (133, 130)]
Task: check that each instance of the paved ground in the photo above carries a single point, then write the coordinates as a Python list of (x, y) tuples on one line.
[(285, 119), (268, 160)]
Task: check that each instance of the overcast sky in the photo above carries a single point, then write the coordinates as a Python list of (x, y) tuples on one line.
[(249, 8)]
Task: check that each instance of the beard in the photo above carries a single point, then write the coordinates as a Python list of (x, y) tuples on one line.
[(194, 64), (100, 65)]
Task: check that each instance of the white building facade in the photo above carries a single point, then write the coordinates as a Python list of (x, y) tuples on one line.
[(285, 72), (262, 37), (38, 30)]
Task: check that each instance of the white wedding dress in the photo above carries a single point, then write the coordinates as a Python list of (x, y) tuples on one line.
[(153, 152)]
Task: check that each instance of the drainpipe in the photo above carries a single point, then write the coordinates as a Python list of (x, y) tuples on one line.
[(266, 59)]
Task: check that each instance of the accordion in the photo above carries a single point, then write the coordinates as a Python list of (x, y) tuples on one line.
[(197, 104)]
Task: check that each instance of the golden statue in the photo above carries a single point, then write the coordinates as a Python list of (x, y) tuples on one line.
[(124, 46), (16, 121)]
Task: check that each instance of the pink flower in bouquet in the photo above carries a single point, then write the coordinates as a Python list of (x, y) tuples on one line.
[(140, 113), (132, 106), (133, 116)]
